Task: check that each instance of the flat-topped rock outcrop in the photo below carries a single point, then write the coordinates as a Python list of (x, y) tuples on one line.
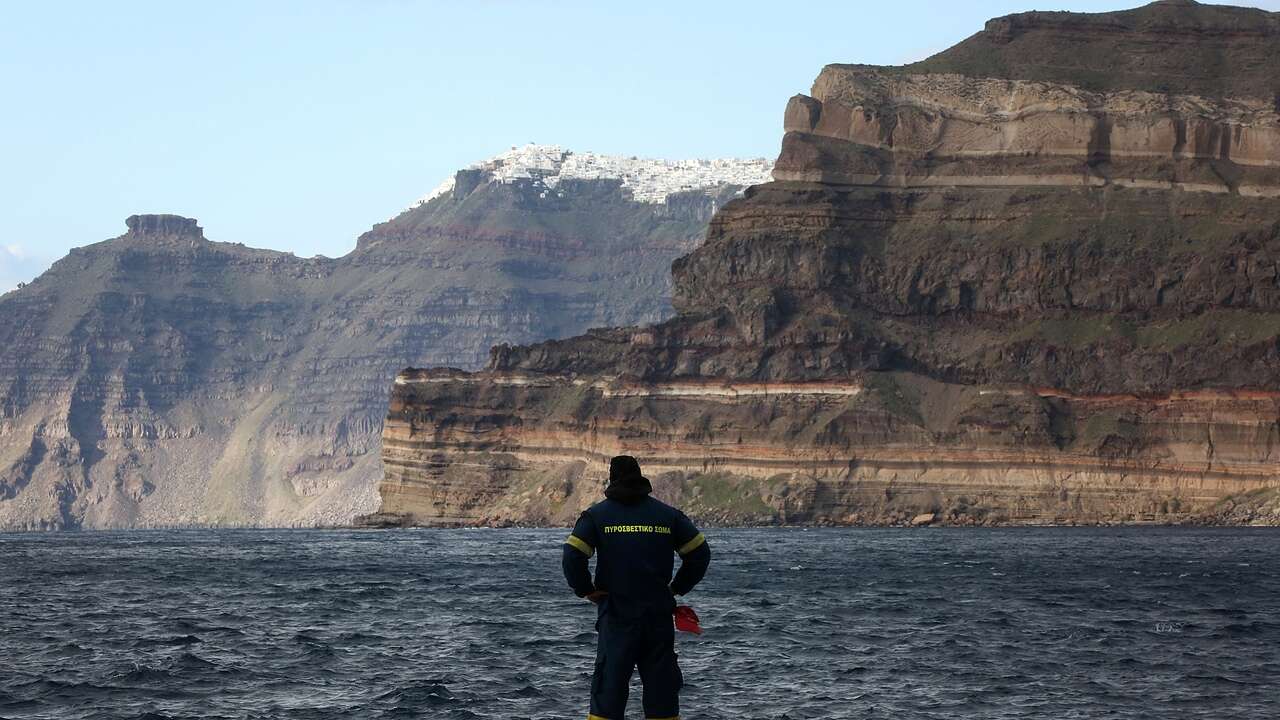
[(866, 127)]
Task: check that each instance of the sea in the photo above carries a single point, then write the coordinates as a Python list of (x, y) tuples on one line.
[(799, 623)]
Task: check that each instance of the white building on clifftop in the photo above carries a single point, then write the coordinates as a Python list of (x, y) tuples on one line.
[(649, 180)]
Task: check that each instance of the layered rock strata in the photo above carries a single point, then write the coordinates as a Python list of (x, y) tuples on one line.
[(1016, 282), (162, 379)]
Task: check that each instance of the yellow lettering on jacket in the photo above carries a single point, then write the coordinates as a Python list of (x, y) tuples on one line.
[(659, 529)]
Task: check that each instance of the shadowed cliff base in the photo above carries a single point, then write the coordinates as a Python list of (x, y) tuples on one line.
[(981, 290)]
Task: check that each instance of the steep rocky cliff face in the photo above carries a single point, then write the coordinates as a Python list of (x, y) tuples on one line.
[(162, 379), (1033, 278)]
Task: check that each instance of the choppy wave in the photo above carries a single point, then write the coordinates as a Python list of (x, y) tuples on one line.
[(858, 623)]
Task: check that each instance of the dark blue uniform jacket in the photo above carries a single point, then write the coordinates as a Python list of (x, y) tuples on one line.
[(637, 543)]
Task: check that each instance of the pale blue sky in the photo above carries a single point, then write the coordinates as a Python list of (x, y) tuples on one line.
[(297, 125)]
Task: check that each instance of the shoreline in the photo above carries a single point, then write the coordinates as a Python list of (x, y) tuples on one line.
[(1190, 525)]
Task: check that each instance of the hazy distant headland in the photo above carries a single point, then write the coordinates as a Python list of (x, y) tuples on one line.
[(163, 379)]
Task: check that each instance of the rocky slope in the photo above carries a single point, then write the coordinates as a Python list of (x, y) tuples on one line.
[(162, 379), (1031, 279)]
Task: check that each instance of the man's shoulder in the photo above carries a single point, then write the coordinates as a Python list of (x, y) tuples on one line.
[(603, 510), (650, 506)]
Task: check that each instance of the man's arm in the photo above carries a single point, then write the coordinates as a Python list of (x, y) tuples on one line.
[(695, 555), (578, 548)]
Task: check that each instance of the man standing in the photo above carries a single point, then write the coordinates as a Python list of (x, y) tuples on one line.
[(636, 537)]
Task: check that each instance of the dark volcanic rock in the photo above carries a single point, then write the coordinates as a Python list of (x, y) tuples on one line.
[(169, 225), (1174, 46), (1035, 278)]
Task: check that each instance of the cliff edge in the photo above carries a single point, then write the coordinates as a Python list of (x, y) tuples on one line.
[(1031, 279)]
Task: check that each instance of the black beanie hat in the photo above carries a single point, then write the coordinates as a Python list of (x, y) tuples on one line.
[(626, 484), (623, 466)]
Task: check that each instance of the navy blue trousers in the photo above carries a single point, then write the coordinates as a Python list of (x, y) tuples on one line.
[(623, 645)]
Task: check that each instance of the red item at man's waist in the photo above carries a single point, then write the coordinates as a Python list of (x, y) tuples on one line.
[(687, 620)]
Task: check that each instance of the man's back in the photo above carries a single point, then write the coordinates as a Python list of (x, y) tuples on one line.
[(637, 538), (637, 543)]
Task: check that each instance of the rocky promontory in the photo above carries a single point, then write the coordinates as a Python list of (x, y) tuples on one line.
[(163, 379), (1034, 278)]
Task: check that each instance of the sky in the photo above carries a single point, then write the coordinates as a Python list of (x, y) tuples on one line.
[(296, 125)]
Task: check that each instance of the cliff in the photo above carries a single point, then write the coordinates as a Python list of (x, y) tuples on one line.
[(1030, 279), (162, 379)]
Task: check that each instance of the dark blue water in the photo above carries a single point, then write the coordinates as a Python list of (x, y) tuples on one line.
[(1018, 623)]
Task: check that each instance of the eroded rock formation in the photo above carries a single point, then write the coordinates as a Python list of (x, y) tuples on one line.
[(162, 379), (1033, 278)]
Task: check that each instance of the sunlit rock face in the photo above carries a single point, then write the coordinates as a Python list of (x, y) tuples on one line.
[(865, 127), (1031, 279), (162, 379)]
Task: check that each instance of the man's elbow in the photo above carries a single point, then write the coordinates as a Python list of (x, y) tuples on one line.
[(576, 571), (700, 556)]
